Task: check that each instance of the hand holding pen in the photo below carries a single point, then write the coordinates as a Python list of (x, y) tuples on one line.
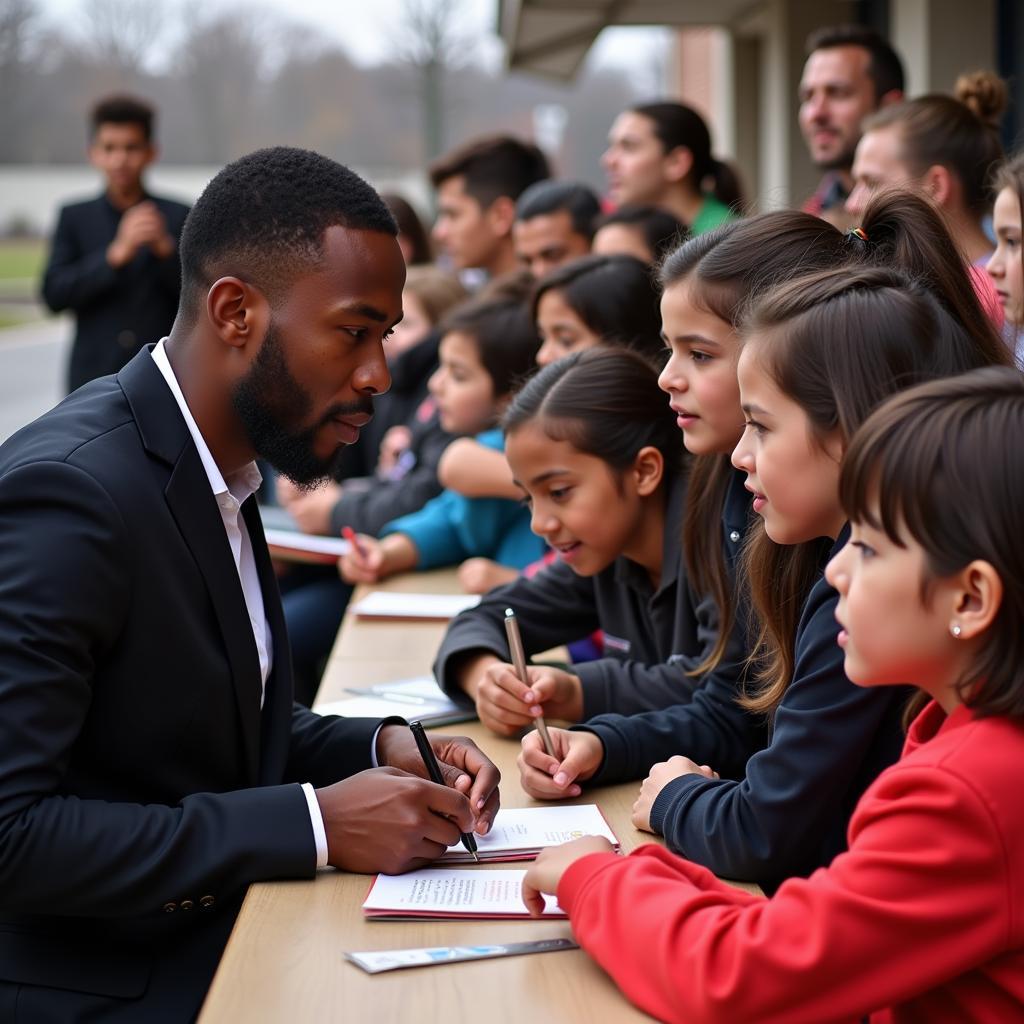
[(515, 646), (434, 771)]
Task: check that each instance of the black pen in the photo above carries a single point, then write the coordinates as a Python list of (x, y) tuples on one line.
[(434, 771)]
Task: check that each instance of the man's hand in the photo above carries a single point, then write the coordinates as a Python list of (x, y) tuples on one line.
[(140, 225), (544, 874), (577, 756), (388, 820), (660, 776), (506, 706), (465, 767), (310, 509)]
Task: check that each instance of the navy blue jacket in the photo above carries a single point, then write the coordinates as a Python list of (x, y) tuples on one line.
[(117, 311), (788, 786)]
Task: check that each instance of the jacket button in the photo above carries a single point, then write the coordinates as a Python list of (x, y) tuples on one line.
[(187, 904), (206, 902), (734, 536), (169, 907)]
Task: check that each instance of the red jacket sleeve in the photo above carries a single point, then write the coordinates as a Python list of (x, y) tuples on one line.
[(921, 897)]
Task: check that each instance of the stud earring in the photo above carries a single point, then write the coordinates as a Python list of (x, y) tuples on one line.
[(955, 629)]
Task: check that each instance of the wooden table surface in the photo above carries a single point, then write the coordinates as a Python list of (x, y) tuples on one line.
[(284, 959)]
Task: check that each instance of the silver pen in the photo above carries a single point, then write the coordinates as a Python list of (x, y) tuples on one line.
[(515, 647)]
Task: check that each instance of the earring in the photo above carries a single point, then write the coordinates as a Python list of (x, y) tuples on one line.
[(955, 629)]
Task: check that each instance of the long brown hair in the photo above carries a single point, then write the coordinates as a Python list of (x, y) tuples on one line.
[(728, 268), (906, 472), (838, 343)]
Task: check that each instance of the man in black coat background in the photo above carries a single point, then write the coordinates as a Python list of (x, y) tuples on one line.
[(114, 259)]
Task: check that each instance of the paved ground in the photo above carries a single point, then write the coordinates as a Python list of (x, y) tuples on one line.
[(32, 361)]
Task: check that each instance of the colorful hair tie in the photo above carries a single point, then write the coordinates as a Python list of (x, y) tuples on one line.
[(859, 233)]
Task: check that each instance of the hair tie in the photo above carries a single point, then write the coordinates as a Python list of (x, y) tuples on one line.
[(858, 233)]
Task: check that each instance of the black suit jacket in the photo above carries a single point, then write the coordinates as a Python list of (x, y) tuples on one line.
[(117, 311), (141, 786)]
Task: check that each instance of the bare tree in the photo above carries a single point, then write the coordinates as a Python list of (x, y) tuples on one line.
[(121, 34), (432, 44), (17, 21)]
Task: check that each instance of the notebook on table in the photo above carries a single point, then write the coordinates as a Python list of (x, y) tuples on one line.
[(420, 698), (389, 604), (520, 833), (451, 893)]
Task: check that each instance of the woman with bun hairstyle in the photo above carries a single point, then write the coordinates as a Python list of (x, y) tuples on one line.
[(945, 146), (659, 154)]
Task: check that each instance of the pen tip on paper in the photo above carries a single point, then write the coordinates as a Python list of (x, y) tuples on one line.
[(475, 857)]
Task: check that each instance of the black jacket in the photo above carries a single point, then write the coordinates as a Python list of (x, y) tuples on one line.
[(117, 311), (142, 788), (788, 786), (651, 637)]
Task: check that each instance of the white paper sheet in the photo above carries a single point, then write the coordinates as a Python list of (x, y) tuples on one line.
[(442, 892), (389, 604)]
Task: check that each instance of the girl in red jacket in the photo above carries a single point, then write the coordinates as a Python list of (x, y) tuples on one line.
[(923, 918)]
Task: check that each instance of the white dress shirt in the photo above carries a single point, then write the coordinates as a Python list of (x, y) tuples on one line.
[(230, 494)]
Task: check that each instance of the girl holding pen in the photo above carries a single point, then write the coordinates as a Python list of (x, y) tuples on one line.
[(802, 743), (599, 460), (922, 919)]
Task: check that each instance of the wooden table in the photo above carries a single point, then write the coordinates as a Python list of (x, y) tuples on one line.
[(284, 959)]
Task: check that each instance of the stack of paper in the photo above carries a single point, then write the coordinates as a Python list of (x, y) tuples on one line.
[(414, 699), (440, 893), (389, 604), (520, 833)]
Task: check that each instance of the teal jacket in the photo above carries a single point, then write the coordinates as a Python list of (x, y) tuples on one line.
[(452, 527)]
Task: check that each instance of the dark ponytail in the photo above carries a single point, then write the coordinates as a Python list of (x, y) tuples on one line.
[(675, 125), (728, 268), (838, 343), (605, 402)]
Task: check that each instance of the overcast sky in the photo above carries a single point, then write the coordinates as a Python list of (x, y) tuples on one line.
[(364, 29)]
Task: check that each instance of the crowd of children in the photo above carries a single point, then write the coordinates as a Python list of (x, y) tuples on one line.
[(772, 517)]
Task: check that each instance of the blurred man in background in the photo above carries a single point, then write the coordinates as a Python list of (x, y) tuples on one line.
[(554, 224), (851, 71), (114, 259), (477, 188)]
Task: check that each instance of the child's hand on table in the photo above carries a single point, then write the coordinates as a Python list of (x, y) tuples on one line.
[(546, 871), (660, 776)]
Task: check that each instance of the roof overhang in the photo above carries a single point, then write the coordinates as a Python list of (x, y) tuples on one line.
[(552, 37)]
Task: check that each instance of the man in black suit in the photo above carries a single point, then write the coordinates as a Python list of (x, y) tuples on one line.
[(152, 762), (114, 259)]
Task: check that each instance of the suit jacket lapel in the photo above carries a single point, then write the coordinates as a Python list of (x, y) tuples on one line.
[(277, 705), (188, 494)]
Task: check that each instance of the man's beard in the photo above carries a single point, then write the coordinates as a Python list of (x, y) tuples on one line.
[(841, 162), (272, 405)]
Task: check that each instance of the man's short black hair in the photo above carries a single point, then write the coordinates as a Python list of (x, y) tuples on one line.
[(492, 166), (547, 197), (263, 218), (884, 66), (122, 109)]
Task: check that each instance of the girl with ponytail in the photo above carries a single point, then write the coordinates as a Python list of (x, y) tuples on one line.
[(797, 756)]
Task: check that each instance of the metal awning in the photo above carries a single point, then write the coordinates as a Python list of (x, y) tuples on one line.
[(552, 37)]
